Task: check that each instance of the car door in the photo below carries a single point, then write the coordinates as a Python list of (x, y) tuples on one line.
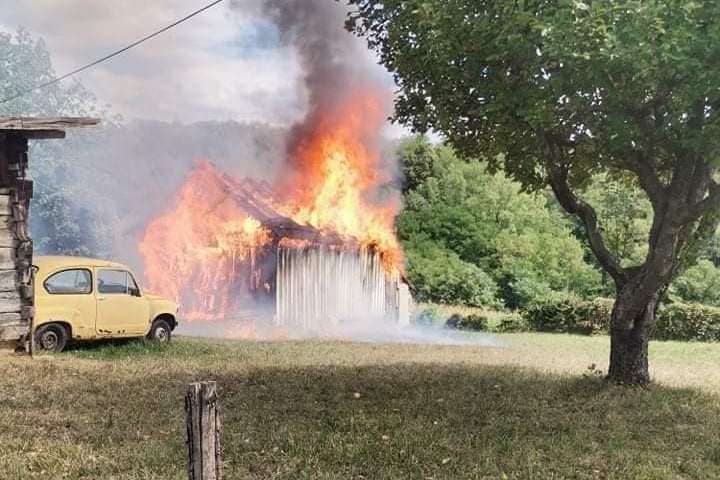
[(67, 296), (121, 310)]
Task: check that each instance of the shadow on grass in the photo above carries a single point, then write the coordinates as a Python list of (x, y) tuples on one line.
[(393, 421)]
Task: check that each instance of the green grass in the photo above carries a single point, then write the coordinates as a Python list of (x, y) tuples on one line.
[(359, 411)]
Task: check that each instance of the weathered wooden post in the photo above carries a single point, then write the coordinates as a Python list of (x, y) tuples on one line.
[(204, 428)]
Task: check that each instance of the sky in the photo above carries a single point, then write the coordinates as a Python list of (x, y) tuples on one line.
[(224, 64)]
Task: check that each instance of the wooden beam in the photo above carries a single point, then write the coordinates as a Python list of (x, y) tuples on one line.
[(46, 123), (40, 134)]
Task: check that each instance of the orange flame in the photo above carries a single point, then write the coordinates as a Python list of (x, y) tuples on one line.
[(206, 249), (201, 245), (336, 174)]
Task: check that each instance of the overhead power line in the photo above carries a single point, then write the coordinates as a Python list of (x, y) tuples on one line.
[(109, 56)]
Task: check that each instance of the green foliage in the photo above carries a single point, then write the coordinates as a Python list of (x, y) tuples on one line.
[(570, 315), (625, 214), (27, 63), (687, 321), (568, 93), (474, 322), (511, 80), (59, 223), (700, 283), (511, 323), (439, 275), (676, 321), (428, 317), (466, 228), (417, 157)]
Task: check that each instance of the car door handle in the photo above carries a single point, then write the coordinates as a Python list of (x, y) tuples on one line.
[(100, 299)]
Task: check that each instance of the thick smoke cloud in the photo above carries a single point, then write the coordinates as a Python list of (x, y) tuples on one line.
[(331, 59)]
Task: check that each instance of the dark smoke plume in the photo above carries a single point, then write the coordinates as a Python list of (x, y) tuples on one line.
[(336, 66), (333, 61)]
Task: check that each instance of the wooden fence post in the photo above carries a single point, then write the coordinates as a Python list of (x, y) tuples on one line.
[(204, 427)]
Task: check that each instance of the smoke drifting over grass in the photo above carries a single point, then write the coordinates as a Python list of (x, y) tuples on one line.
[(366, 330)]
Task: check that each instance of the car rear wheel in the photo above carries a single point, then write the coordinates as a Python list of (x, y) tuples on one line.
[(160, 331), (51, 338)]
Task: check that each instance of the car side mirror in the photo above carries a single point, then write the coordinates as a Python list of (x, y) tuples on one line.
[(135, 292)]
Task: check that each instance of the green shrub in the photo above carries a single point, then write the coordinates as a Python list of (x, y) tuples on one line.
[(676, 321), (440, 276), (475, 322), (688, 321), (511, 323), (570, 315), (428, 317), (700, 284)]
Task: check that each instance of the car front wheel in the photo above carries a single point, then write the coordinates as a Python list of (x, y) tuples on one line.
[(51, 338), (160, 331)]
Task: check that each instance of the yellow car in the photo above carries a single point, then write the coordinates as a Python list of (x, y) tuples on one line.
[(86, 299)]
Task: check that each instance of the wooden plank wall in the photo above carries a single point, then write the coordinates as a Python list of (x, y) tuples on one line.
[(16, 295)]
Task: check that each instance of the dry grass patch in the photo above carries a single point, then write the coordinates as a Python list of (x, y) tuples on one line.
[(342, 410)]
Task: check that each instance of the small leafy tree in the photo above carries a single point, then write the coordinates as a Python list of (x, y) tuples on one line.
[(58, 224), (556, 92)]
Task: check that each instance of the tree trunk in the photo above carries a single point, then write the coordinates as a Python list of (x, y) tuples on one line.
[(631, 327)]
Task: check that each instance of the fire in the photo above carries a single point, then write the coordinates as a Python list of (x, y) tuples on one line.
[(336, 173), (193, 253), (205, 251)]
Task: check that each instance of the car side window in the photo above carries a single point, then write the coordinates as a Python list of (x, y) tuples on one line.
[(74, 281), (113, 281), (133, 289)]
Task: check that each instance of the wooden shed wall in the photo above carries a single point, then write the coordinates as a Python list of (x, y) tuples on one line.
[(16, 296)]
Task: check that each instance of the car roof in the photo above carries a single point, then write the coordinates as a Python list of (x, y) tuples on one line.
[(53, 262)]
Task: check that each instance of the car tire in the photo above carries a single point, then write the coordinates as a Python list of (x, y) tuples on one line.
[(160, 331), (51, 338)]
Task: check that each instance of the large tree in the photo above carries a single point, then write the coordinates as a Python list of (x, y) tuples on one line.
[(557, 91)]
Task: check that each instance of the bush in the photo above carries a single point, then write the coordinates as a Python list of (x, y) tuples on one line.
[(440, 276), (428, 317), (700, 284), (676, 321), (511, 323), (570, 315), (688, 321), (474, 322)]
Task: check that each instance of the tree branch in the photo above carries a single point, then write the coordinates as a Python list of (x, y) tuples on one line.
[(573, 205), (647, 176)]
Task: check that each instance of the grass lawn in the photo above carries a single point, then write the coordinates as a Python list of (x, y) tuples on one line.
[(530, 409)]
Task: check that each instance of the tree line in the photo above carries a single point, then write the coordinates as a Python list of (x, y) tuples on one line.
[(474, 237)]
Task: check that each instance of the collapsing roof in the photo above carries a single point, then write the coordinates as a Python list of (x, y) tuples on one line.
[(260, 201)]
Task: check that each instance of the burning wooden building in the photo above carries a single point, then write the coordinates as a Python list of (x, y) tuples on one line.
[(16, 247), (314, 249), (231, 250)]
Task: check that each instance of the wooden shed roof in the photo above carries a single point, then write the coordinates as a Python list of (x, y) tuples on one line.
[(44, 127)]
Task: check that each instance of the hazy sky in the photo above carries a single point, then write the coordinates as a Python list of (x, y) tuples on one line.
[(223, 64)]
